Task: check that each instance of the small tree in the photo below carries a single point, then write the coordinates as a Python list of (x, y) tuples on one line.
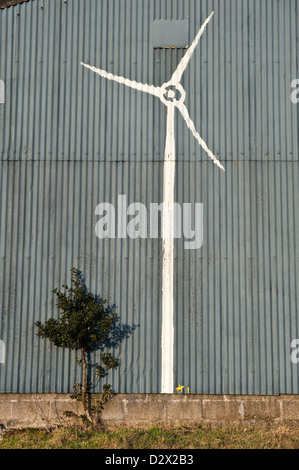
[(84, 325)]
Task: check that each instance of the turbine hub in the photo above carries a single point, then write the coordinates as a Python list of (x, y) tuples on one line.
[(172, 94)]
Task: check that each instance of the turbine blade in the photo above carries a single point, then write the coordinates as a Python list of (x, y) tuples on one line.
[(152, 90), (183, 110), (177, 75)]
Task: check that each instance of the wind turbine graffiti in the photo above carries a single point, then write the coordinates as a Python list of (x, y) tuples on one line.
[(173, 95)]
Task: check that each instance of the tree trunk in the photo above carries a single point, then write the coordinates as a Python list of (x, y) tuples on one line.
[(84, 385)]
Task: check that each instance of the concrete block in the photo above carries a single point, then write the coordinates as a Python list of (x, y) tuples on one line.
[(5, 412), (290, 409), (261, 409), (31, 412), (60, 406), (220, 410), (113, 410), (144, 411), (184, 411)]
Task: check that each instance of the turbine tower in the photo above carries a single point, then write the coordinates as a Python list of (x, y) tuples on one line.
[(173, 95)]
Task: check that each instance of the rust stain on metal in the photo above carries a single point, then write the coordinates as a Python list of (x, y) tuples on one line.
[(11, 3)]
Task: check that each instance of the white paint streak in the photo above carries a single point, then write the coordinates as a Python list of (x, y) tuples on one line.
[(152, 90), (167, 334), (2, 94), (177, 75), (182, 108), (2, 352)]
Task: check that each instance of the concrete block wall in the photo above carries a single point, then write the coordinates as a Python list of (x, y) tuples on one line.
[(46, 411)]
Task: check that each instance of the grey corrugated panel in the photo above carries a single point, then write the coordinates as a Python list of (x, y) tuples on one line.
[(48, 213), (70, 139), (239, 78), (237, 299)]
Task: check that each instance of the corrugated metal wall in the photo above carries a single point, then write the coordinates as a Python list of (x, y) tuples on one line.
[(70, 140)]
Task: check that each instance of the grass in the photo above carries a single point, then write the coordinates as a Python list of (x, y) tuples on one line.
[(183, 437)]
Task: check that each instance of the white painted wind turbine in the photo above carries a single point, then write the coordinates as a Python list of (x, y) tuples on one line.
[(173, 95)]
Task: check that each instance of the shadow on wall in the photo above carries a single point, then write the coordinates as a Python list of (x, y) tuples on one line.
[(116, 335)]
